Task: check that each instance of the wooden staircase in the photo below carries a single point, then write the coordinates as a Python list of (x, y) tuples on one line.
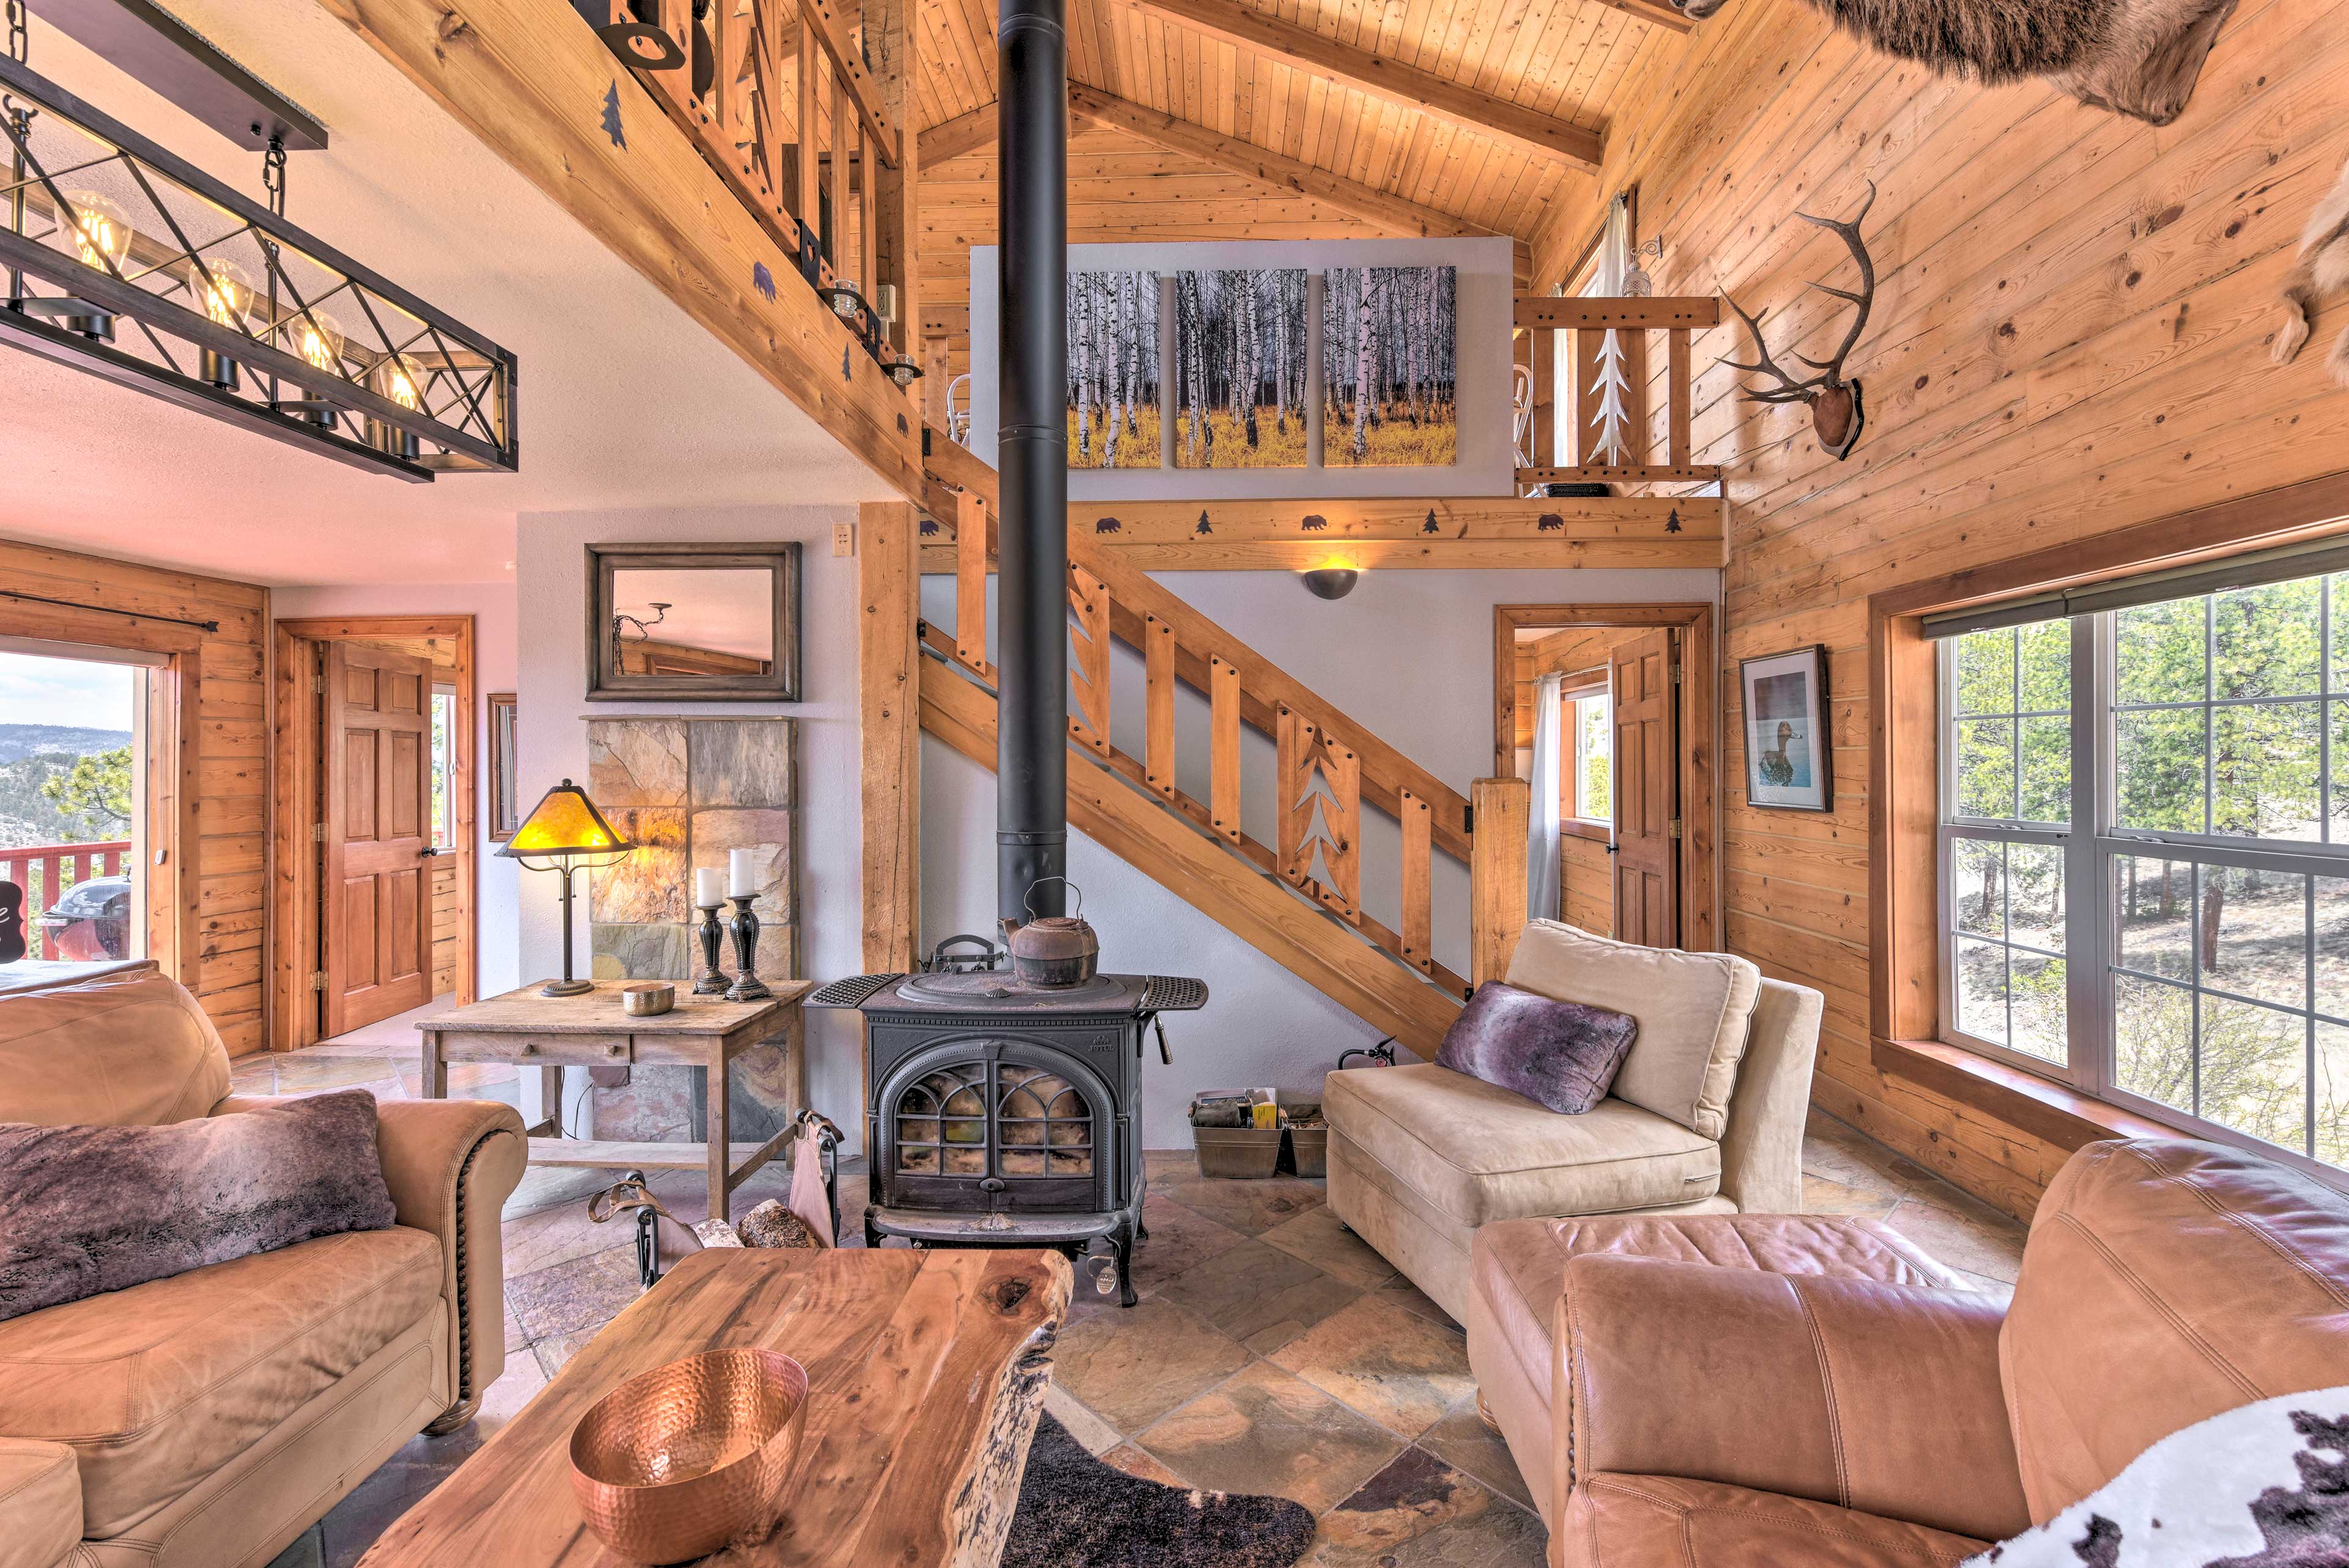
[(1298, 900)]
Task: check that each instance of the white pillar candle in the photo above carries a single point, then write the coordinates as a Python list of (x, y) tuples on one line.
[(741, 882), (709, 887)]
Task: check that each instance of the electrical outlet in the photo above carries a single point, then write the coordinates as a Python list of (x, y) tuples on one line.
[(843, 538)]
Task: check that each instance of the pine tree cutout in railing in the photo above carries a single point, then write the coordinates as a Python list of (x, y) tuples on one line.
[(1320, 816), (1611, 419)]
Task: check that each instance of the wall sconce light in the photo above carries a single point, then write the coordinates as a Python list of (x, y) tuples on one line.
[(644, 627), (1333, 580)]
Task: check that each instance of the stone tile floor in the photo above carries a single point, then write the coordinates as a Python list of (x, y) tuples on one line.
[(1272, 1351)]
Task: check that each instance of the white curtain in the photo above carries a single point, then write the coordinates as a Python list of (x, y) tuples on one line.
[(1545, 841)]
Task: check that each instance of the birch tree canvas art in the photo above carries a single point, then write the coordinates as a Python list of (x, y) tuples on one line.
[(1113, 372), (1240, 383), (1389, 367)]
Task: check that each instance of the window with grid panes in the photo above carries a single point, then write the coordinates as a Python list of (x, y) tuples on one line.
[(2145, 851)]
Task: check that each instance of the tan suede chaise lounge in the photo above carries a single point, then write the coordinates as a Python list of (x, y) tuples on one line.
[(1705, 1116), (1731, 1392), (206, 1420)]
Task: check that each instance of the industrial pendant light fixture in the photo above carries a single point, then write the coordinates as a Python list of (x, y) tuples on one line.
[(153, 274)]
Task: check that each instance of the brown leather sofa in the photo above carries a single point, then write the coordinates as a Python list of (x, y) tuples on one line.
[(1740, 1391), (207, 1419)]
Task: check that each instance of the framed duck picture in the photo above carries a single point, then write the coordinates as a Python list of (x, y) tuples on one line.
[(1788, 743)]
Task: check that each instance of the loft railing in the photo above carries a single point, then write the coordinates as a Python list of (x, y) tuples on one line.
[(46, 872), (791, 117), (1603, 406)]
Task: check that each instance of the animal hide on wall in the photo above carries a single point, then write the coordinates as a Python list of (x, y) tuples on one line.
[(2137, 57), (2323, 269)]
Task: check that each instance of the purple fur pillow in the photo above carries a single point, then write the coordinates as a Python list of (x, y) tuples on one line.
[(1562, 1054), (86, 1209)]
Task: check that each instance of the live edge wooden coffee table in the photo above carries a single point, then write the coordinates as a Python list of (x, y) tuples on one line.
[(551, 1032), (925, 1374)]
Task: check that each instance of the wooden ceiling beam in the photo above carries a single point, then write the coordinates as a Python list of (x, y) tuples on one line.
[(1237, 23), (953, 138), (1380, 208)]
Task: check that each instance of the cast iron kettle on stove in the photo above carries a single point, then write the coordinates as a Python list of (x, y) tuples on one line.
[(1052, 949)]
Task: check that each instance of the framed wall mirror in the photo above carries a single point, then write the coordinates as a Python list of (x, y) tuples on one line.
[(505, 810), (712, 623)]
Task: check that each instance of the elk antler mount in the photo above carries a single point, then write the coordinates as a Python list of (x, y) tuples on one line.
[(1837, 415)]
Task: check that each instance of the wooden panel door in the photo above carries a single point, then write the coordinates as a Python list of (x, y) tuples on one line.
[(1647, 791), (376, 940)]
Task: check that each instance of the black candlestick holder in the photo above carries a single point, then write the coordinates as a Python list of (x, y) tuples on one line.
[(713, 982), (747, 986)]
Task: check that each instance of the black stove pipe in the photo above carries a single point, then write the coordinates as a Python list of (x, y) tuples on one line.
[(1031, 746)]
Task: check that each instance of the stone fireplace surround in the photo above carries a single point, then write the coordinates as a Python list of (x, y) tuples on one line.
[(687, 791)]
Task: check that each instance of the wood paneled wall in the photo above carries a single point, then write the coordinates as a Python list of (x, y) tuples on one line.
[(1587, 887), (2070, 333), (225, 744)]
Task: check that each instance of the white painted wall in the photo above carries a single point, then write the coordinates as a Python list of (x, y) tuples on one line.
[(1487, 286), (551, 576), (1410, 652), (492, 607)]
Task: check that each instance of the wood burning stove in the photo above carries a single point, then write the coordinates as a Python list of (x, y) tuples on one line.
[(1007, 1112), (1010, 1113)]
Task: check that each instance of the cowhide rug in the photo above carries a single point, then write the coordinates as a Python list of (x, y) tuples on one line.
[(1077, 1512), (2266, 1486)]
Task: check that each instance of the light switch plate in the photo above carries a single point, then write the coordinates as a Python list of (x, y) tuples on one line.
[(843, 538)]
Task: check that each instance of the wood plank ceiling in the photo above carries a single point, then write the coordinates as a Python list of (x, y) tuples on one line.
[(1269, 146)]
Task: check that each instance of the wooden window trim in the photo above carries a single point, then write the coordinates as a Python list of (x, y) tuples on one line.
[(1588, 827), (1904, 794)]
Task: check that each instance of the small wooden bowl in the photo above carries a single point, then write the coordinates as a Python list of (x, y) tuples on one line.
[(647, 999), (690, 1458)]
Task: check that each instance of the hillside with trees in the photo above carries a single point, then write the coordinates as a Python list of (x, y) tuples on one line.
[(61, 785)]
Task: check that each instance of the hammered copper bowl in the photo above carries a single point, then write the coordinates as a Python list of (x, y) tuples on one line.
[(690, 1458)]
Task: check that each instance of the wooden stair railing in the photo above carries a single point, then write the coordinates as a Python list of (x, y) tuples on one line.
[(1591, 322), (1328, 764), (1223, 873)]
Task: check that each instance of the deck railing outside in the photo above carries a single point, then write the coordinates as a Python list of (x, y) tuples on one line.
[(46, 872)]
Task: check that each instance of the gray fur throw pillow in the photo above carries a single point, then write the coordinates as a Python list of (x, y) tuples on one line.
[(85, 1209), (1561, 1054)]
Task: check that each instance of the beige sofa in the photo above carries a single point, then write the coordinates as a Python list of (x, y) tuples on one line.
[(1705, 1116), (207, 1419)]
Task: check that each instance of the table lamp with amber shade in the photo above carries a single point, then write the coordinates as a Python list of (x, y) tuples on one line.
[(566, 831)]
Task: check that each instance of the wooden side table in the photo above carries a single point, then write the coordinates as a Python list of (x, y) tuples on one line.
[(551, 1032)]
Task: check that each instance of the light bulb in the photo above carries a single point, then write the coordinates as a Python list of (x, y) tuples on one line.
[(224, 291), (101, 229), (399, 378), (317, 338)]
